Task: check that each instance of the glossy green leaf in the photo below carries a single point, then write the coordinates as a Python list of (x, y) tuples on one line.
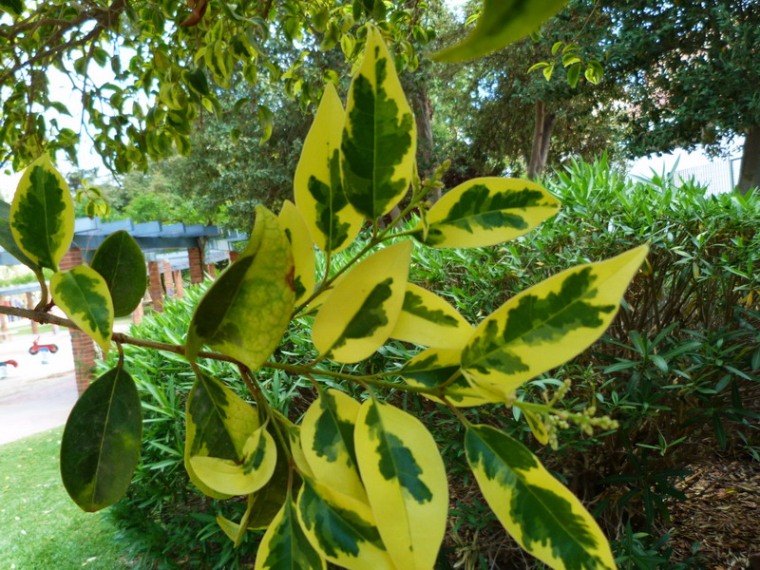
[(542, 515), (438, 369), (218, 424), (342, 528), (244, 476), (246, 311), (318, 185), (548, 324), (405, 480), (42, 214), (15, 7), (120, 261), (501, 23), (327, 440), (285, 546), (294, 226), (428, 320), (380, 136), (8, 243), (101, 442), (361, 311), (486, 211), (83, 295)]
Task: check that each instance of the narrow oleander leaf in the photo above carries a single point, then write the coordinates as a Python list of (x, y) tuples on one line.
[(8, 243), (101, 442), (246, 311), (541, 514), (361, 311), (243, 477), (285, 546), (380, 136), (218, 424), (120, 261), (438, 369), (405, 480), (486, 211), (42, 214), (501, 23), (318, 185), (549, 323), (83, 295), (327, 440), (428, 320), (294, 226), (342, 528)]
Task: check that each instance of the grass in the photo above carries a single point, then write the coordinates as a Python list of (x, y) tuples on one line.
[(40, 527)]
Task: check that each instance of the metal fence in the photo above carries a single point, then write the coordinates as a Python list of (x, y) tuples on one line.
[(719, 175)]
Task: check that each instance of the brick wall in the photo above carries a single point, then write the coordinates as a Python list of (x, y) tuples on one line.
[(154, 286), (195, 257)]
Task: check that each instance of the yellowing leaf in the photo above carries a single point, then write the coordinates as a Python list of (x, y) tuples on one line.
[(42, 214), (380, 136), (438, 369), (318, 186), (218, 424), (295, 229), (501, 23), (428, 320), (361, 311), (285, 546), (486, 211), (405, 480), (246, 311), (342, 528), (548, 324), (242, 477), (327, 440), (542, 515), (83, 295)]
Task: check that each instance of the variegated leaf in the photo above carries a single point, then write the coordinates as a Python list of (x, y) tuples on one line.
[(243, 477), (359, 314), (83, 295), (542, 515), (405, 480), (435, 368), (236, 531), (327, 440), (120, 261), (246, 311), (101, 442), (380, 136), (318, 185), (342, 528), (218, 423), (8, 243), (501, 23), (428, 320), (294, 226), (486, 211), (42, 214), (548, 324), (285, 546), (537, 427)]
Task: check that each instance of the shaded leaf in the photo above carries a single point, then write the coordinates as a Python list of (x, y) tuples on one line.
[(8, 243), (121, 263), (285, 546)]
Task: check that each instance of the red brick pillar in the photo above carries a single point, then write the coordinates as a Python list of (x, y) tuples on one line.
[(195, 256), (30, 306), (179, 287), (166, 271), (154, 286), (82, 345), (138, 314), (211, 270), (234, 256)]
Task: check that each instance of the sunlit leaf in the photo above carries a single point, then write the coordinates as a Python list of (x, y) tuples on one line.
[(8, 243), (101, 442), (405, 480), (486, 211), (380, 137), (360, 312), (295, 229), (542, 515), (501, 23), (549, 323), (120, 261)]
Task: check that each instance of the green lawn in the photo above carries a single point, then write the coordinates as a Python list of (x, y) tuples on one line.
[(40, 527)]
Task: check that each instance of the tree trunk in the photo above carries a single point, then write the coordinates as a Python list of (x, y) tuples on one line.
[(542, 134), (749, 176), (423, 112)]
